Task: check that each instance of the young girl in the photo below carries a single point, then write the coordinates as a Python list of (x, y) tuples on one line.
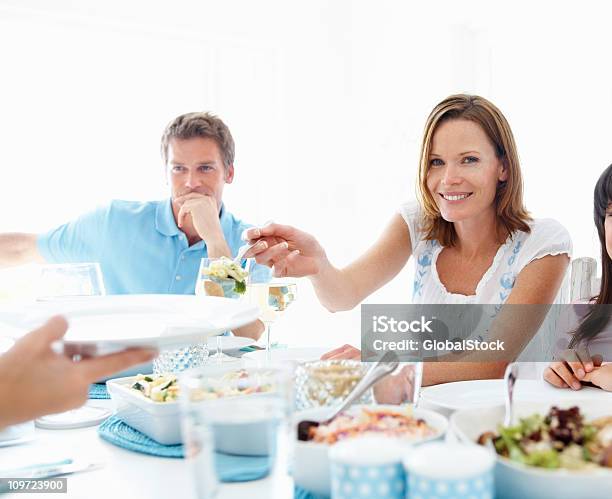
[(594, 332)]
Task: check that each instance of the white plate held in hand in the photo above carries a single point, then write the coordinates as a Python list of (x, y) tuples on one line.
[(100, 324)]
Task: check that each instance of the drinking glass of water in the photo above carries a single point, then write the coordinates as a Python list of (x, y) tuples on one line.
[(235, 423), (70, 280)]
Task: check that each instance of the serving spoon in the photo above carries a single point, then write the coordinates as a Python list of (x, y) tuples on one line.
[(243, 249), (510, 378), (382, 368)]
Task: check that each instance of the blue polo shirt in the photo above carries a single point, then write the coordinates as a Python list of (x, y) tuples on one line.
[(138, 245)]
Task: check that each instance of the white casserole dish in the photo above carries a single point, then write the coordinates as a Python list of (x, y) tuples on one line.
[(161, 421)]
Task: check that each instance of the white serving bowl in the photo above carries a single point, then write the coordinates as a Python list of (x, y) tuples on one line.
[(310, 468), (161, 421), (514, 479)]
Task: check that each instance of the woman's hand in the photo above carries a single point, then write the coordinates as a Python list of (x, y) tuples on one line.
[(343, 352), (573, 367), (289, 251), (398, 388), (292, 252)]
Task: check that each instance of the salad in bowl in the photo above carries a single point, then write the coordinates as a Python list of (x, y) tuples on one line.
[(559, 439), (561, 451)]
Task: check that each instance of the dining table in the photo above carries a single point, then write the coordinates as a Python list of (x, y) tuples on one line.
[(125, 473)]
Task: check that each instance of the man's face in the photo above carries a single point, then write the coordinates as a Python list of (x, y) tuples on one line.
[(196, 165)]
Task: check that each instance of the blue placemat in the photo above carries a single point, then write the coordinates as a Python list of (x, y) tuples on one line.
[(230, 468), (98, 391), (274, 346)]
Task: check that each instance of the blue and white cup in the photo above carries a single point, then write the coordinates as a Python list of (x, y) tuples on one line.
[(447, 470), (368, 468)]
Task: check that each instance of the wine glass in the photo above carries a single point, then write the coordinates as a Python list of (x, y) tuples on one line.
[(272, 297), (70, 280), (222, 277)]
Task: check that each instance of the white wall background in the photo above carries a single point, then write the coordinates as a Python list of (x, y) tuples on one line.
[(326, 101)]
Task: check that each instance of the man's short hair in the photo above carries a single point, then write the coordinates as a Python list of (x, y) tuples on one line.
[(203, 125)]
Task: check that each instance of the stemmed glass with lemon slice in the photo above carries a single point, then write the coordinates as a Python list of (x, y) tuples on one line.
[(226, 278), (272, 297)]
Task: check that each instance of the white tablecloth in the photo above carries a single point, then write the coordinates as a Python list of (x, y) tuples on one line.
[(125, 473)]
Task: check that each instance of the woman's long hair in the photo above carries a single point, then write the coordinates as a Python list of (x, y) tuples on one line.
[(598, 317)]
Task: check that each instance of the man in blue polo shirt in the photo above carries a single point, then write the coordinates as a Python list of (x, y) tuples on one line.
[(156, 246)]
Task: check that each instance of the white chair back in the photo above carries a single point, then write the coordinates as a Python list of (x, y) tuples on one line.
[(584, 281)]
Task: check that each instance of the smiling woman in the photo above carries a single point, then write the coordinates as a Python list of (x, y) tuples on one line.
[(472, 239), (471, 234)]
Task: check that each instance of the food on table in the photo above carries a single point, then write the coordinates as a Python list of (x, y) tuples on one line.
[(561, 439), (165, 388), (222, 272), (398, 423), (159, 388)]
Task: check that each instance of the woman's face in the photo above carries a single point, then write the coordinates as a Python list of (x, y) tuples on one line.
[(464, 170), (608, 229)]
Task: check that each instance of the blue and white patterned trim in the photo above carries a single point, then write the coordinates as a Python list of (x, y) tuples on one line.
[(423, 268), (508, 278)]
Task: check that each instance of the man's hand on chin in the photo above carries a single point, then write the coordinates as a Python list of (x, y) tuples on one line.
[(200, 213)]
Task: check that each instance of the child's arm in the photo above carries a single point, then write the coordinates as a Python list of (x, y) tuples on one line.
[(571, 369), (601, 377)]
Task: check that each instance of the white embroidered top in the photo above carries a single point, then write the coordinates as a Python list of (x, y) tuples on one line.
[(547, 237)]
